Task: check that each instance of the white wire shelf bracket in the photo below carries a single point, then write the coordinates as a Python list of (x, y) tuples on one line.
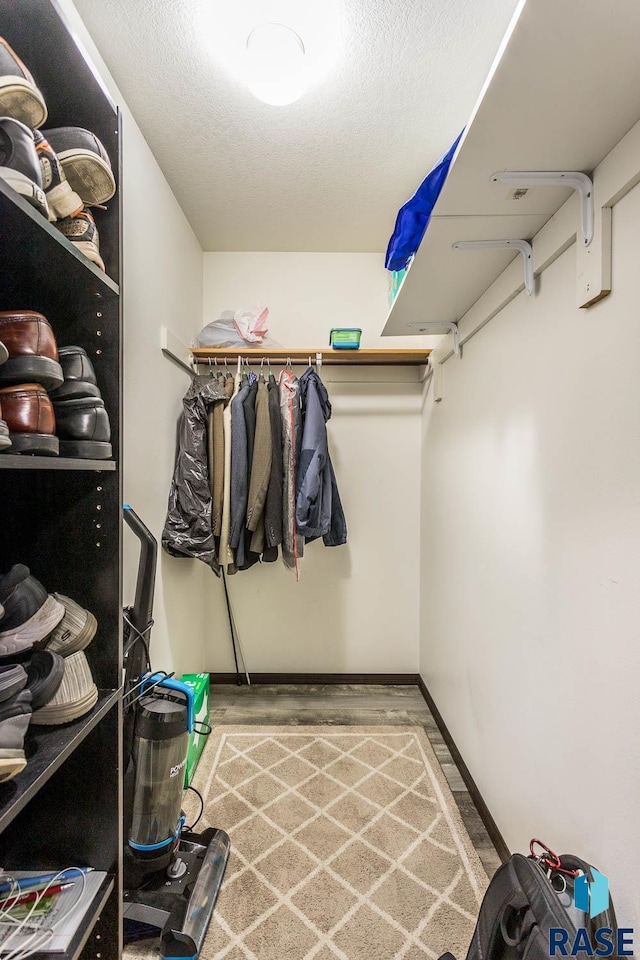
[(580, 182), (434, 327), (522, 246)]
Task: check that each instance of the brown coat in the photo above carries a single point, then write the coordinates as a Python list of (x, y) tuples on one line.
[(215, 456)]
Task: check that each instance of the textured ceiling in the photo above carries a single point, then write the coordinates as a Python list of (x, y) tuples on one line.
[(328, 172)]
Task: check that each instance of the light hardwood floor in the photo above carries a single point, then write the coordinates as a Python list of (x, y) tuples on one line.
[(365, 704)]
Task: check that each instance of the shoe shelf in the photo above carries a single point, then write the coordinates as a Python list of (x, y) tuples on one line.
[(35, 252), (46, 749), (87, 924), (62, 516), (10, 461)]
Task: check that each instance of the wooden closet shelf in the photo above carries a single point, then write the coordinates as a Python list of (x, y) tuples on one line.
[(356, 357)]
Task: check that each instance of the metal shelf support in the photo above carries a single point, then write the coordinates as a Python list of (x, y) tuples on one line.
[(523, 246), (435, 326), (574, 179)]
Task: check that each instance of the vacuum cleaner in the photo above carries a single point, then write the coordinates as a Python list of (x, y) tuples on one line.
[(172, 876)]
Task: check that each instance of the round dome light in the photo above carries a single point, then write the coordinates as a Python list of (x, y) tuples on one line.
[(276, 64)]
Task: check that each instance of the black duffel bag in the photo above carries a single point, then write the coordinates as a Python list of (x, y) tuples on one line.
[(529, 912)]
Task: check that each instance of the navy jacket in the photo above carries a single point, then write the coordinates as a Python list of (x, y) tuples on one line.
[(319, 510)]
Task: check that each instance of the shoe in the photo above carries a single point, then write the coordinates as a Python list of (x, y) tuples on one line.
[(19, 96), (75, 631), (83, 428), (76, 695), (45, 671), (13, 679), (15, 715), (9, 581), (81, 230), (33, 352), (79, 376), (85, 162), (61, 199), (19, 164), (5, 439), (30, 614), (28, 412)]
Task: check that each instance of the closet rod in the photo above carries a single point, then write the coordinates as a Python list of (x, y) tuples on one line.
[(360, 357)]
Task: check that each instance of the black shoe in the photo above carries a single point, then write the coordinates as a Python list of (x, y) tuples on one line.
[(45, 671), (30, 614), (81, 230), (19, 164), (13, 679), (79, 376), (9, 581), (15, 715), (61, 199), (19, 96), (83, 428), (85, 162)]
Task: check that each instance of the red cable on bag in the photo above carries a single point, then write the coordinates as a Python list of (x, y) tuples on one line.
[(552, 860)]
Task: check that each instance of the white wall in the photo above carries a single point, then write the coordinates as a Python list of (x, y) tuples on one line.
[(530, 624), (162, 286), (356, 607)]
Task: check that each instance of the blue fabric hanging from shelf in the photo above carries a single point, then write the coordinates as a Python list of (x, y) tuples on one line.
[(413, 218)]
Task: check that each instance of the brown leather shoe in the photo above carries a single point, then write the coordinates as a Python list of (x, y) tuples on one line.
[(5, 441), (30, 419), (33, 352)]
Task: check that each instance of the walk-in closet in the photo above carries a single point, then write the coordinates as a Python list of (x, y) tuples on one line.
[(319, 473)]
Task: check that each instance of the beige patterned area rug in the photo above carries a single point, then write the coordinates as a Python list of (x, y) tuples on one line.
[(346, 843)]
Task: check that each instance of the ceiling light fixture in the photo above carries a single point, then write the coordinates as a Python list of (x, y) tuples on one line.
[(254, 40), (275, 64)]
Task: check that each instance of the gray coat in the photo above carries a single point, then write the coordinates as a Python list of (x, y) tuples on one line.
[(289, 393), (187, 530)]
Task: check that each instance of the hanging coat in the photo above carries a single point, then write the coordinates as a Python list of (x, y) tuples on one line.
[(245, 558), (292, 542), (215, 457), (273, 505), (319, 510), (226, 553), (260, 469), (187, 531), (239, 473)]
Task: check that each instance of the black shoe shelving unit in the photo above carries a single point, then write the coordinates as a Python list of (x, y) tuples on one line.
[(63, 517)]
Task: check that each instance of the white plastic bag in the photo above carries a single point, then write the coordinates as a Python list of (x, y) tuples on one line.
[(245, 327), (251, 323)]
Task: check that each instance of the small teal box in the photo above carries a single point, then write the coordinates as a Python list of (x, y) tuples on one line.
[(345, 338)]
